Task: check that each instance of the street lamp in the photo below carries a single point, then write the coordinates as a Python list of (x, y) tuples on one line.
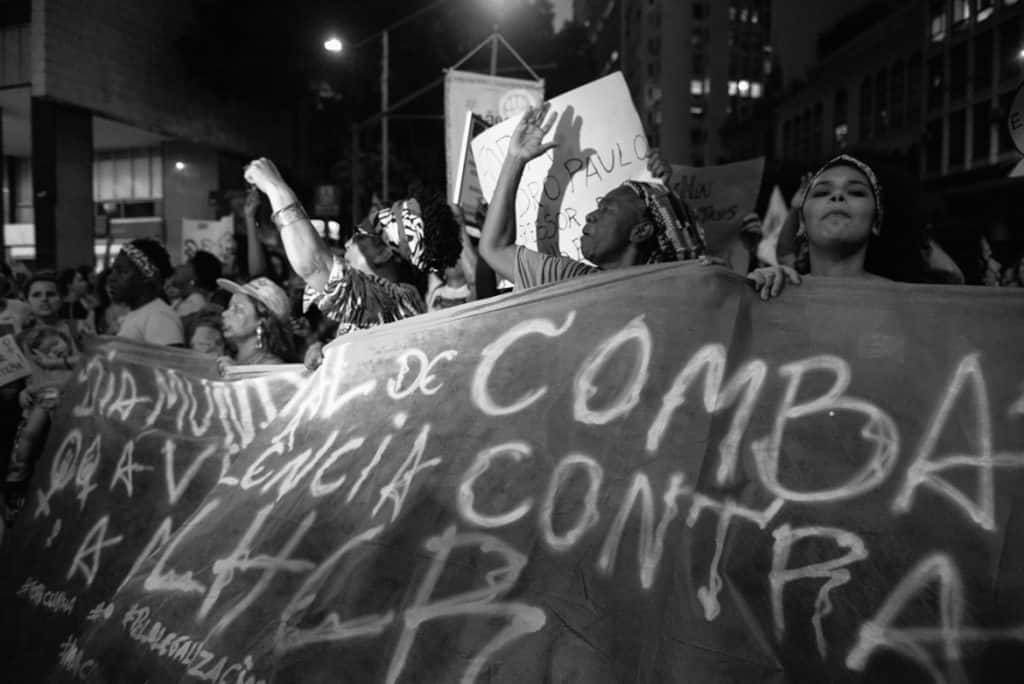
[(334, 46)]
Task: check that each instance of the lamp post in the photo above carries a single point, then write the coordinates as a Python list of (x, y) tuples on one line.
[(334, 45)]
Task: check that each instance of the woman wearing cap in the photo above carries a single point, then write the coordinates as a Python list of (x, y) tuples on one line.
[(380, 279), (137, 280), (256, 323)]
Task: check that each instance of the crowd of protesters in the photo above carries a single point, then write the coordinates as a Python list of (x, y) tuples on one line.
[(295, 291)]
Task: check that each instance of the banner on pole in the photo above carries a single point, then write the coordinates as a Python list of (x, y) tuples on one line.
[(601, 144), (548, 487), (492, 98)]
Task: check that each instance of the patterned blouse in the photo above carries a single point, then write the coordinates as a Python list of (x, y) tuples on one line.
[(356, 300)]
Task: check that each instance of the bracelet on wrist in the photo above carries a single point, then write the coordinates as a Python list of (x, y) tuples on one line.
[(293, 213)]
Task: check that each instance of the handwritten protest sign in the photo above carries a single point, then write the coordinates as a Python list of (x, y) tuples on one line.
[(13, 364), (601, 143), (215, 237), (645, 475), (719, 196), (141, 437), (492, 98)]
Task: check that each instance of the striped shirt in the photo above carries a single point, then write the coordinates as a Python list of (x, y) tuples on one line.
[(534, 269)]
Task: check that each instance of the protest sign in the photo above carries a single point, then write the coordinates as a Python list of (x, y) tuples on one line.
[(645, 475), (492, 98), (215, 237), (13, 363), (719, 196), (601, 143), (141, 436)]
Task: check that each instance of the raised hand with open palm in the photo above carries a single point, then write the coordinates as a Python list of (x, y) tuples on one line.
[(527, 141)]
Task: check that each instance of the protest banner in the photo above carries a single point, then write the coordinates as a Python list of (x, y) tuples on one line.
[(13, 363), (720, 196), (215, 237), (141, 436), (601, 143), (647, 475), (492, 98)]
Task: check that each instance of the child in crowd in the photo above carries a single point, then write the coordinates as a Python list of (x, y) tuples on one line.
[(52, 353), (452, 292), (204, 332)]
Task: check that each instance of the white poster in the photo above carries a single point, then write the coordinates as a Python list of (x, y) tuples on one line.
[(492, 98), (13, 363), (215, 237), (601, 144)]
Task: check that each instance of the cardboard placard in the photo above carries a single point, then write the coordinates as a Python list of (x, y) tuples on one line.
[(601, 144), (720, 196)]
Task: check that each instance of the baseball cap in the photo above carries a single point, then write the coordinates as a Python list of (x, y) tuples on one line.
[(263, 290)]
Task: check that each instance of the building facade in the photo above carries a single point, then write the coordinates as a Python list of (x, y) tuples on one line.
[(692, 66), (931, 81), (106, 136)]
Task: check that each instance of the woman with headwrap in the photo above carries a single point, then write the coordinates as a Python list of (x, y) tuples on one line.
[(137, 280), (849, 228), (381, 276), (637, 223)]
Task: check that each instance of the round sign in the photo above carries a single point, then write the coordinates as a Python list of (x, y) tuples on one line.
[(1015, 119), (514, 102)]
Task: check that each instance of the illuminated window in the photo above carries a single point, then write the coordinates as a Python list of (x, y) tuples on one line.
[(755, 90), (732, 88), (744, 88), (743, 15), (938, 21), (697, 112), (983, 9), (696, 87), (961, 13)]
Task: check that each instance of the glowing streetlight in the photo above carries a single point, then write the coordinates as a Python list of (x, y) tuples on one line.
[(333, 45), (179, 166)]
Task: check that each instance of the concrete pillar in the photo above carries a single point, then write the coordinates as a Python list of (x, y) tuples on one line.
[(191, 172), (62, 182)]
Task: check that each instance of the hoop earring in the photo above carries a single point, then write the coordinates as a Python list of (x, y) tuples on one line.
[(259, 335)]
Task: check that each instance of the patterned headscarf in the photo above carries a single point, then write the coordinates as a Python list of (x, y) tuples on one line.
[(680, 237), (847, 160), (141, 261), (385, 226)]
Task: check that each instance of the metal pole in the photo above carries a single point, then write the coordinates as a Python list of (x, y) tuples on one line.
[(356, 175), (494, 51), (385, 55)]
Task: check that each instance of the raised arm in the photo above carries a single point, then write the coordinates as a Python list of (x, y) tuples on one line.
[(257, 262), (307, 252), (497, 238)]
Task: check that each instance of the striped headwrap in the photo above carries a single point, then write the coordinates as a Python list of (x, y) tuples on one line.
[(141, 261), (680, 237)]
